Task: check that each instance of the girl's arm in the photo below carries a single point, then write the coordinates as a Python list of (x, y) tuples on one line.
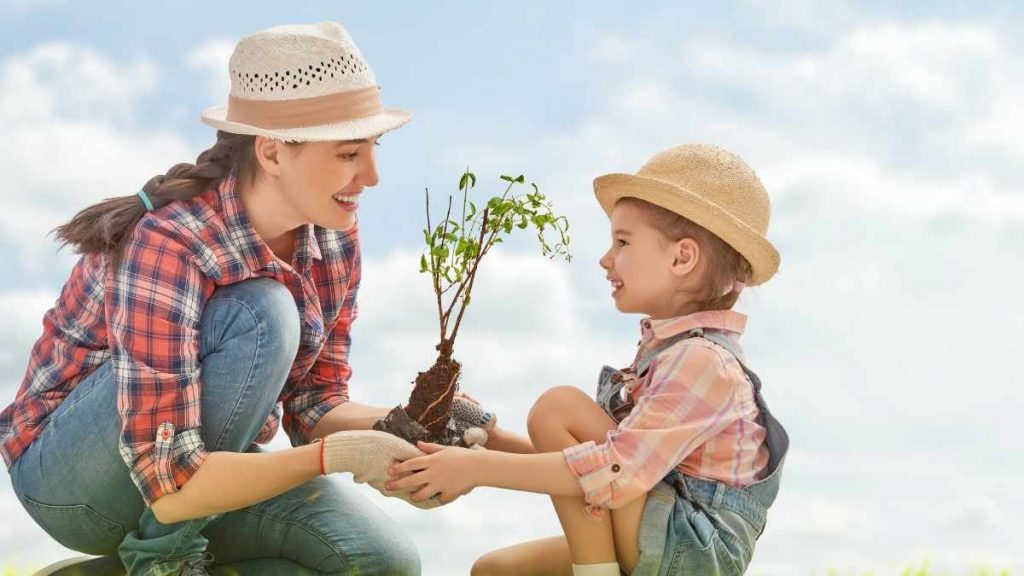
[(227, 481), (454, 471), (544, 473), (508, 441)]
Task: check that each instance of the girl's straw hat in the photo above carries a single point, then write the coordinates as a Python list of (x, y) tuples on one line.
[(709, 186), (303, 83)]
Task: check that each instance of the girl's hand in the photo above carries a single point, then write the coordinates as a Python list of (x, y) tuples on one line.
[(446, 471)]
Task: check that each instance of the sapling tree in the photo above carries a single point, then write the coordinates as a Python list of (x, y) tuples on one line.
[(455, 247)]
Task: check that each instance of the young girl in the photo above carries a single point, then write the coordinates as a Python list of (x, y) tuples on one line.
[(207, 309), (673, 468)]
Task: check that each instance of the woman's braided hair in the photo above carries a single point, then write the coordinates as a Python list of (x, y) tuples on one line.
[(107, 226)]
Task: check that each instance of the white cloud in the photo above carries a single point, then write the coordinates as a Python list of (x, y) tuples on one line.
[(22, 313), (61, 79), (212, 59), (66, 112)]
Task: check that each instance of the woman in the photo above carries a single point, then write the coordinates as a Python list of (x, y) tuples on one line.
[(221, 293)]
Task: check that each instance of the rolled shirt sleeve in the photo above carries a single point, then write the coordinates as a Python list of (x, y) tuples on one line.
[(690, 398), (153, 314)]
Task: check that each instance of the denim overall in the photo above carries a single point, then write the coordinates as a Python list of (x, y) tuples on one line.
[(691, 525)]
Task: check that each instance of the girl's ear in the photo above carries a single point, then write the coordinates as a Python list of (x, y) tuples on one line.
[(268, 153), (686, 256)]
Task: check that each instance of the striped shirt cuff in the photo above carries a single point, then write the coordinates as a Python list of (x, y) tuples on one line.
[(301, 429), (596, 470), (172, 461)]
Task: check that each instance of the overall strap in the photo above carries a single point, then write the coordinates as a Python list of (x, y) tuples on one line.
[(648, 357), (778, 439)]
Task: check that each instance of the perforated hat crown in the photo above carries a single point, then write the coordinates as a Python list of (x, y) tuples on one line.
[(306, 82)]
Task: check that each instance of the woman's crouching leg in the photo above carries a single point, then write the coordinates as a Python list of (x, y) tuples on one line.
[(325, 526)]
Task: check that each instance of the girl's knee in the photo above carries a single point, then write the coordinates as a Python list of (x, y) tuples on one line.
[(551, 408), (491, 564)]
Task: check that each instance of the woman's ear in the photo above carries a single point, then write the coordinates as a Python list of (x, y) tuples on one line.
[(268, 153), (686, 256)]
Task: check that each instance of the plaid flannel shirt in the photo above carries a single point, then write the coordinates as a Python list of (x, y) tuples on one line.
[(145, 318)]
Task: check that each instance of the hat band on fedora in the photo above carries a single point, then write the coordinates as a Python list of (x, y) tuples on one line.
[(304, 112)]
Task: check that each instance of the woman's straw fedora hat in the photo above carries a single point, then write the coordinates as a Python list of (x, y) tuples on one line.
[(709, 186), (303, 83)]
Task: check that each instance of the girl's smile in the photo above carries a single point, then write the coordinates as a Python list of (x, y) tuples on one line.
[(646, 270)]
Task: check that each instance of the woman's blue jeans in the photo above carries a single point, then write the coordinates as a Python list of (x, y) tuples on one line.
[(74, 484)]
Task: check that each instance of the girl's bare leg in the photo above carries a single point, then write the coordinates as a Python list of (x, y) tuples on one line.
[(564, 416), (545, 557)]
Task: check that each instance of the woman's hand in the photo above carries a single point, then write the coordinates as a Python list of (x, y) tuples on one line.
[(367, 455), (446, 471)]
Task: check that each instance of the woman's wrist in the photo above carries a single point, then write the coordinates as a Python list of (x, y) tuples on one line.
[(320, 455)]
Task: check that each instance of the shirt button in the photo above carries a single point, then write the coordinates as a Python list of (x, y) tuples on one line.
[(167, 434), (615, 468)]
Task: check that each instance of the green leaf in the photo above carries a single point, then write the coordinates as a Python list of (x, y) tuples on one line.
[(507, 178)]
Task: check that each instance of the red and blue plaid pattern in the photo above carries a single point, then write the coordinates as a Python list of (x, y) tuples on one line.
[(145, 318)]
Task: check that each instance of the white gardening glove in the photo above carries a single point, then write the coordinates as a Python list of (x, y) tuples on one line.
[(472, 420), (368, 454)]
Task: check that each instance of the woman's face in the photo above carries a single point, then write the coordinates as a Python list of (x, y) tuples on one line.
[(323, 181)]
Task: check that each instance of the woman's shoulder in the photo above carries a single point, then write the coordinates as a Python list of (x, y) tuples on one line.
[(190, 230)]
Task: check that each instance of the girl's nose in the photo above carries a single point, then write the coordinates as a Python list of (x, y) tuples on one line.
[(606, 260)]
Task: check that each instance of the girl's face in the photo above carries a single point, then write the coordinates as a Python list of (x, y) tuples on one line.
[(322, 181), (645, 268)]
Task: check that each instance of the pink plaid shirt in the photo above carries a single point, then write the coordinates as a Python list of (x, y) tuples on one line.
[(145, 318), (694, 411)]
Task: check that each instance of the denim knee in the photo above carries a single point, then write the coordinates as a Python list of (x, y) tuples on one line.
[(397, 554), (258, 305)]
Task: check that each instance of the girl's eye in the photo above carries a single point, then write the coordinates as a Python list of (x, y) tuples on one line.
[(620, 242), (350, 157)]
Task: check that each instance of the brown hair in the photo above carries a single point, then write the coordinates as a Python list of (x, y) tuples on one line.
[(106, 227), (723, 265)]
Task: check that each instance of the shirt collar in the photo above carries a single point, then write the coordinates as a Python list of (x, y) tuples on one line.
[(254, 250), (725, 320), (307, 249)]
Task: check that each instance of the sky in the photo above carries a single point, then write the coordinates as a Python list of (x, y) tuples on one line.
[(887, 135)]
